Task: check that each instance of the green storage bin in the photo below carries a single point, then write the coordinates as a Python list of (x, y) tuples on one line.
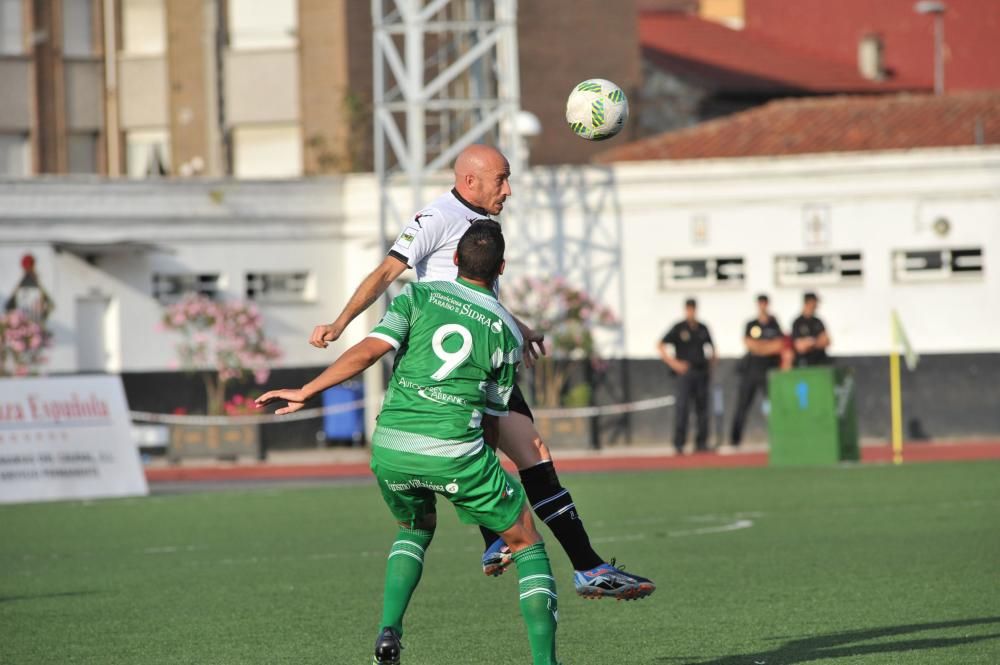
[(813, 420)]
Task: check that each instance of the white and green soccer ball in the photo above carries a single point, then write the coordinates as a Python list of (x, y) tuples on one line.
[(596, 109)]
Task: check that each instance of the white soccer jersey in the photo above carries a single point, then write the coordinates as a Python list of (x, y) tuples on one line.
[(428, 243)]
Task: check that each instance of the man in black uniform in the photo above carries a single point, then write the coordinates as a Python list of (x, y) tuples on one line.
[(809, 337), (689, 337), (764, 341)]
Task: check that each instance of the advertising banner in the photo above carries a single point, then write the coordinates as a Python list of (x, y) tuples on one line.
[(66, 438)]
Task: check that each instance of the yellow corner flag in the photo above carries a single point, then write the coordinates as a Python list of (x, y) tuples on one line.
[(899, 340)]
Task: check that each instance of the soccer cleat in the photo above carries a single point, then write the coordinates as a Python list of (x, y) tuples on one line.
[(611, 581), (387, 648), (496, 558)]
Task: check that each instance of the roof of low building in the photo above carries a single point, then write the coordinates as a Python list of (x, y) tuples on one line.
[(741, 60), (829, 124)]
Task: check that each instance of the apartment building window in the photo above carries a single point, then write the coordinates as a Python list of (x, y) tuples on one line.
[(263, 24), (286, 287), (937, 264), (78, 28), (170, 287), (11, 28), (699, 273), (271, 151), (147, 152), (818, 269), (15, 155), (82, 152), (144, 27)]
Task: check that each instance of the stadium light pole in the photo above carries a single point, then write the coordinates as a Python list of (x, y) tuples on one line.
[(937, 9)]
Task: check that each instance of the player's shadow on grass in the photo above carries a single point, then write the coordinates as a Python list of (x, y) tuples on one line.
[(848, 643), (45, 596)]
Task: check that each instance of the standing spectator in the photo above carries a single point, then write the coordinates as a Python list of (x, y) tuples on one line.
[(809, 337), (689, 338), (765, 342)]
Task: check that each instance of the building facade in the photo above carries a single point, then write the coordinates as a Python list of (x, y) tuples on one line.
[(251, 88)]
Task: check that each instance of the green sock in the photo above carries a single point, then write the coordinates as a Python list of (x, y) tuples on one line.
[(538, 602), (402, 574)]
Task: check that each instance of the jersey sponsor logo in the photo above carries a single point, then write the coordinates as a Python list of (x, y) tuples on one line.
[(465, 309), (451, 488), (406, 237), (417, 483), (433, 393), (418, 216), (437, 395)]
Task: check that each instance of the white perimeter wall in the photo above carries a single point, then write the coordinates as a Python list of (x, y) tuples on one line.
[(754, 208)]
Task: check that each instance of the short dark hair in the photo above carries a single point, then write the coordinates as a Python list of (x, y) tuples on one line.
[(809, 295), (763, 298), (691, 302), (480, 251)]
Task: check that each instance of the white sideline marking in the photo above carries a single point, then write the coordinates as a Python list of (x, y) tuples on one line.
[(703, 531), (665, 519), (618, 539), (173, 549), (736, 525), (722, 528)]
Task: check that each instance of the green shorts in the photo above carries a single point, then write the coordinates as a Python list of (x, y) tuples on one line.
[(479, 488)]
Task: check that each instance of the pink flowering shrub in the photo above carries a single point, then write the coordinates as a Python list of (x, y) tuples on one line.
[(227, 337), (568, 317), (22, 344), (240, 405)]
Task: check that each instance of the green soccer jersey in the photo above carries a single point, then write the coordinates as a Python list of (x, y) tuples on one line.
[(457, 356)]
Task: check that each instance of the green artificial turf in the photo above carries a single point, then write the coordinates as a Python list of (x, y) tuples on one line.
[(869, 565)]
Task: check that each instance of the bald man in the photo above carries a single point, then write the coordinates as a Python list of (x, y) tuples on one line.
[(427, 244)]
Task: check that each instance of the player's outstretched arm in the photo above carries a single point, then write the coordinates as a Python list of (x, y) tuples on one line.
[(355, 360), (373, 286)]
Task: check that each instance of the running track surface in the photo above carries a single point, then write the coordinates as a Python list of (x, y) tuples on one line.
[(918, 452)]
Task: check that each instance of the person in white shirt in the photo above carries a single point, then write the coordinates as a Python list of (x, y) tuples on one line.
[(427, 244)]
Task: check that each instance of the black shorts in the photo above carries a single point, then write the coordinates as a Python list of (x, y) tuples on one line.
[(518, 405)]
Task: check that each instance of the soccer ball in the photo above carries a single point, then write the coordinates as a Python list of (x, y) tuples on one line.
[(596, 109)]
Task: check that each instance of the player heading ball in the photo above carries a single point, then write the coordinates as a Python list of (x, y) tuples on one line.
[(437, 427)]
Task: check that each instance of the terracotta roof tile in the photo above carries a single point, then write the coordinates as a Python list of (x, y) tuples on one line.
[(829, 124)]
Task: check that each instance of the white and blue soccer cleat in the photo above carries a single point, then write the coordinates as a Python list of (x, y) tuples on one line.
[(611, 581), (496, 558)]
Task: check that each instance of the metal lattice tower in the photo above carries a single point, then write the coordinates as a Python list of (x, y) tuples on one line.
[(446, 76)]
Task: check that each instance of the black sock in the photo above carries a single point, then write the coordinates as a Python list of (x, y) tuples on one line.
[(488, 537), (554, 506)]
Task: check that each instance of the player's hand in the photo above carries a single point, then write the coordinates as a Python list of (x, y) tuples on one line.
[(296, 400), (324, 334), (534, 346), (681, 367)]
